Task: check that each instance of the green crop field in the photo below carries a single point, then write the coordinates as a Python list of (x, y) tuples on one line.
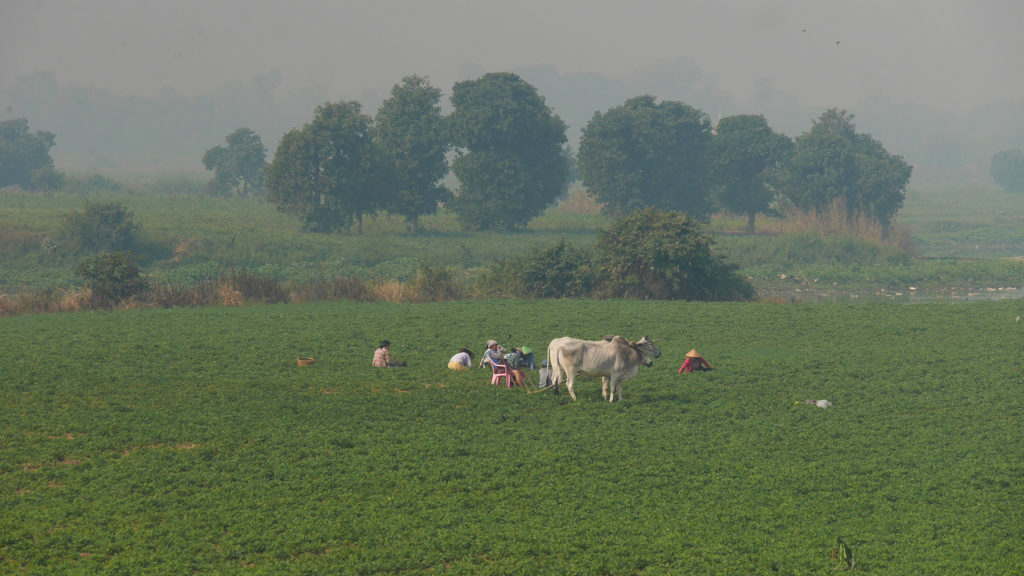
[(188, 441)]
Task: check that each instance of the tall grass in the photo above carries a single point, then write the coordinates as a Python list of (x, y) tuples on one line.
[(838, 220)]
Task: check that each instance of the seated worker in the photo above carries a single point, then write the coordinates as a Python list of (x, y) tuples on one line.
[(382, 356), (694, 361), (461, 361), (514, 360), (494, 352), (528, 362)]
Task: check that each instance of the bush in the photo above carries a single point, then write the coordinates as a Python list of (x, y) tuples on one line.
[(558, 271), (664, 255), (91, 184), (99, 227), (436, 284), (1007, 170), (113, 277)]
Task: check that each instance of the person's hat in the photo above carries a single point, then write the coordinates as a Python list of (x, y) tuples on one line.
[(467, 351), (527, 350), (492, 343), (693, 354)]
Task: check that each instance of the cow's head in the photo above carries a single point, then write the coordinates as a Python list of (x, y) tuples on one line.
[(648, 351)]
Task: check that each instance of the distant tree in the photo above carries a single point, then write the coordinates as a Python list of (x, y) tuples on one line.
[(99, 227), (411, 133), (646, 154), (509, 163), (24, 156), (654, 253), (832, 161), (745, 155), (112, 277), (329, 174), (238, 167), (1008, 170)]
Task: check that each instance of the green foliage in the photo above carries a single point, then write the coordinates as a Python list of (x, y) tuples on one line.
[(238, 167), (746, 154), (510, 165), (47, 178), (832, 161), (99, 227), (330, 173), (1007, 170), (644, 154), (436, 284), (25, 157), (412, 135), (91, 183), (560, 270), (113, 277), (664, 255), (189, 441)]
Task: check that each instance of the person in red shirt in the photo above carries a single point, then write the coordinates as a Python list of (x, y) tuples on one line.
[(694, 361)]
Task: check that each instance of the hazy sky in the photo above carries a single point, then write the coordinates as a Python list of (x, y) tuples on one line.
[(949, 54)]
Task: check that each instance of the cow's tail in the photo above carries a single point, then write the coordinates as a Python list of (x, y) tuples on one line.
[(555, 365)]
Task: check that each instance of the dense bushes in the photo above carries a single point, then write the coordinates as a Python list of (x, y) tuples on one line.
[(664, 255), (112, 277), (649, 254), (99, 227)]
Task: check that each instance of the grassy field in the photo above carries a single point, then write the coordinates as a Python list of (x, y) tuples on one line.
[(188, 441)]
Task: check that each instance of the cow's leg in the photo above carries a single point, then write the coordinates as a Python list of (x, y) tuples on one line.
[(604, 387), (614, 385), (569, 381)]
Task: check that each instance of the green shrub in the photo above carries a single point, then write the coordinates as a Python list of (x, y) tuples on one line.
[(436, 284), (113, 277), (99, 227), (664, 255), (558, 271), (91, 183)]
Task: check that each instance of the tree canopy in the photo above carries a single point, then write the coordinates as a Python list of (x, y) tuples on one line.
[(745, 155), (410, 131), (647, 154), (509, 163), (832, 161), (23, 155), (330, 173), (238, 167), (1007, 170)]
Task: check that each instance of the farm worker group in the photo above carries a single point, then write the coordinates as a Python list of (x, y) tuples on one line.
[(517, 360)]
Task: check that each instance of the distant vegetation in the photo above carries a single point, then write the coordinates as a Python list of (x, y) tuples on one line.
[(196, 250)]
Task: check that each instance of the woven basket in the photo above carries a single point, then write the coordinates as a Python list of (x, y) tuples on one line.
[(306, 361)]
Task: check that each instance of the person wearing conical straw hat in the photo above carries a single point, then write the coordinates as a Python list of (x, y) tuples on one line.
[(694, 361)]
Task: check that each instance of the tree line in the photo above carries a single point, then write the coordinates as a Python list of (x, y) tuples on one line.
[(507, 150)]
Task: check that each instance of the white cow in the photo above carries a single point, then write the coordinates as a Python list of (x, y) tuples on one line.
[(614, 360)]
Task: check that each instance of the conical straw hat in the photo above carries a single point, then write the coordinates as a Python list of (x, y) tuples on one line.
[(693, 354)]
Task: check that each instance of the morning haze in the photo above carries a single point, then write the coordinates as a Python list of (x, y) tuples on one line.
[(935, 81)]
